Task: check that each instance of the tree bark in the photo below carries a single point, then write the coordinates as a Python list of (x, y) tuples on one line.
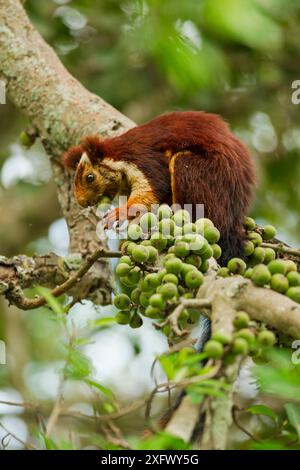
[(62, 111)]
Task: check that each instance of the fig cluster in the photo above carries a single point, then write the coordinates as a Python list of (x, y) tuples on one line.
[(263, 265), (165, 258), (248, 338)]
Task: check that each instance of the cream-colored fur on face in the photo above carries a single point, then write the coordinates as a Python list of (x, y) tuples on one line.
[(135, 178)]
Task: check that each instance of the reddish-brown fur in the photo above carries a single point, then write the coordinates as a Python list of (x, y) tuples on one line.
[(198, 154)]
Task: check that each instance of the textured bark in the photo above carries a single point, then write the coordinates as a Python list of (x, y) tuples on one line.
[(218, 419), (62, 111), (50, 270), (263, 305), (184, 420), (25, 271)]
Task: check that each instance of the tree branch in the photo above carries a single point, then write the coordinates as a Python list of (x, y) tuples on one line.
[(282, 248), (262, 304), (23, 271)]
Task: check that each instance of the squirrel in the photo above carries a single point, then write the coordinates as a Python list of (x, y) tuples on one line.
[(188, 157)]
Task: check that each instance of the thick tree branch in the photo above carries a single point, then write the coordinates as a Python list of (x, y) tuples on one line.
[(282, 249), (262, 304), (62, 111), (21, 272)]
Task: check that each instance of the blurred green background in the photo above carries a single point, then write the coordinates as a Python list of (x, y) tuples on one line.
[(235, 58), (232, 57)]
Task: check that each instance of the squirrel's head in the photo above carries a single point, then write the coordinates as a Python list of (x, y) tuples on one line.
[(95, 175)]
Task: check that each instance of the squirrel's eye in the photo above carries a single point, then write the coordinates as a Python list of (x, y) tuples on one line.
[(90, 178)]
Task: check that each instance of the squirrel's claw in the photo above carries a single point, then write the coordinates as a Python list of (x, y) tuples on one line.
[(114, 219), (110, 218)]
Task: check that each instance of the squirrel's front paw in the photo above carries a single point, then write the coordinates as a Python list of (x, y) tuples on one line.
[(111, 219), (115, 218)]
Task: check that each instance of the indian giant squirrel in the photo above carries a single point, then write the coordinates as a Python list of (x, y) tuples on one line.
[(182, 157)]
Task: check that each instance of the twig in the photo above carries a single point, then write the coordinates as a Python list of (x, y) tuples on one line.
[(168, 386), (239, 426), (147, 269), (24, 405), (57, 408), (24, 443), (175, 348), (173, 318), (281, 248), (77, 414), (117, 438), (160, 388), (4, 445), (16, 296), (107, 417)]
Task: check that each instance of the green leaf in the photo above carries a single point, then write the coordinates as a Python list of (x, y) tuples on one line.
[(78, 365), (263, 410), (106, 391), (269, 445), (209, 387), (167, 363), (196, 398), (293, 415), (243, 22), (103, 321), (204, 390), (216, 383), (49, 443), (162, 441), (109, 407), (193, 359), (279, 376), (82, 341), (65, 445)]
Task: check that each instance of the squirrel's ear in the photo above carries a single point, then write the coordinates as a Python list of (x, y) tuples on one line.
[(93, 146), (72, 157)]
